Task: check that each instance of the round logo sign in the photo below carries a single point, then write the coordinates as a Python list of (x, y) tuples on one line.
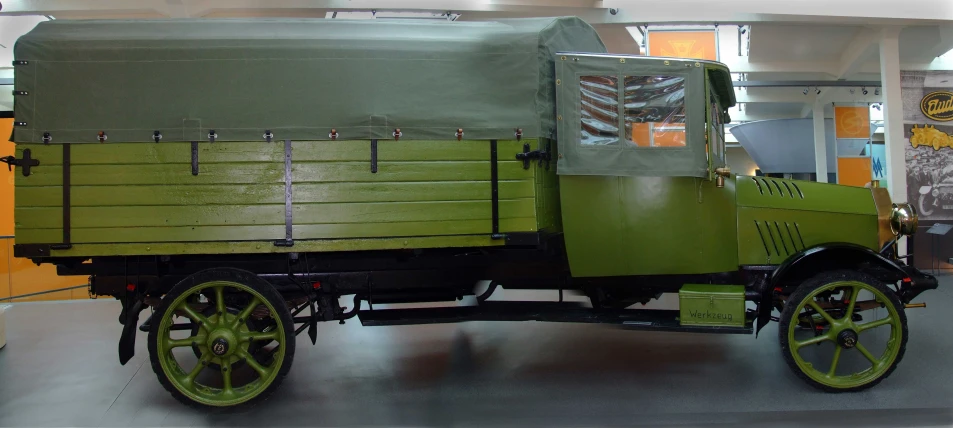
[(938, 106)]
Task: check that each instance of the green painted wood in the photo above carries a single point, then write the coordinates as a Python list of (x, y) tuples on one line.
[(255, 151), (245, 247), (254, 194), (161, 153), (145, 193), (311, 172), (244, 215), (547, 191), (186, 234)]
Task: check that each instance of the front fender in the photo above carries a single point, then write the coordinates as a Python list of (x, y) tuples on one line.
[(809, 262), (841, 255)]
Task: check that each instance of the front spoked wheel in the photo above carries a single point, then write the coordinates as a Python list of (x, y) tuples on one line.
[(223, 338), (843, 331)]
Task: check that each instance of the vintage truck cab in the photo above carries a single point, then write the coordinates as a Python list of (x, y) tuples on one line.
[(363, 164)]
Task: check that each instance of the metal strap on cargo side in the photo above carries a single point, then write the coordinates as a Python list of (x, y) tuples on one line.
[(373, 156), (195, 158), (289, 239), (495, 192), (66, 202)]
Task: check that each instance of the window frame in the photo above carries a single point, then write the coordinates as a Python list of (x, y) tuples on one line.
[(622, 142), (715, 111), (628, 159)]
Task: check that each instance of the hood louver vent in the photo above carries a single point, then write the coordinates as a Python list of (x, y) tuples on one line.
[(780, 238), (778, 188)]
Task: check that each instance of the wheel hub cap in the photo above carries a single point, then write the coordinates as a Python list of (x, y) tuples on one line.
[(219, 347), (222, 343), (847, 338)]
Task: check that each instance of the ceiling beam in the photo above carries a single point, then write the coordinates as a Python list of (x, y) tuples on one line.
[(797, 95), (858, 52), (807, 110), (746, 116), (740, 64), (798, 83)]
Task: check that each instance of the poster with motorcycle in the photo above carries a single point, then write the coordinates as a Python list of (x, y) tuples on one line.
[(928, 130)]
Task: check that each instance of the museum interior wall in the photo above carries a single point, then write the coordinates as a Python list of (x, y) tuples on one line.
[(19, 277)]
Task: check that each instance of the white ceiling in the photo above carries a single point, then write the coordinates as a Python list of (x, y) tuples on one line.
[(774, 42)]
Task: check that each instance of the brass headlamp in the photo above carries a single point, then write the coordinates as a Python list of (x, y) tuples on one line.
[(903, 219)]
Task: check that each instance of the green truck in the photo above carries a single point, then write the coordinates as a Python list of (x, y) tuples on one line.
[(247, 179)]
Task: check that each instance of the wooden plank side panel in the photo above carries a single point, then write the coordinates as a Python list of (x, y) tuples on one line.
[(263, 194), (250, 215), (270, 232), (256, 173), (142, 193)]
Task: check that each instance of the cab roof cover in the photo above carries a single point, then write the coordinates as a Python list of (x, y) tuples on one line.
[(298, 78)]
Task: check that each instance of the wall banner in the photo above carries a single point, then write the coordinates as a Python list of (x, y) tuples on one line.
[(852, 122), (694, 44), (928, 137), (852, 132)]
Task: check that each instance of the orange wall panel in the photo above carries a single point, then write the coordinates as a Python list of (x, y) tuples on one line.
[(854, 171), (6, 179), (6, 253), (26, 278)]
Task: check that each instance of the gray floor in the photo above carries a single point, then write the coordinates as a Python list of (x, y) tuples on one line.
[(60, 368)]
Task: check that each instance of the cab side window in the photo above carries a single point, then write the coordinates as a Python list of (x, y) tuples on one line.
[(654, 111), (599, 110)]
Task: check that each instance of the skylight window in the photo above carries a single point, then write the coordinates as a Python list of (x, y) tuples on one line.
[(444, 16)]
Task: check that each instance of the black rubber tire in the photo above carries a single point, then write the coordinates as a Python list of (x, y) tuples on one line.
[(241, 277), (820, 280)]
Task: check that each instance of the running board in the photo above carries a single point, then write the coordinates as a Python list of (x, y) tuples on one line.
[(634, 319)]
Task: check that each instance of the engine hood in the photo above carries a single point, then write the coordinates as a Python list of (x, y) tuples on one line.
[(765, 192)]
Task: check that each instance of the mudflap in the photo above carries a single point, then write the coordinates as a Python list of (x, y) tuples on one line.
[(765, 304), (132, 306)]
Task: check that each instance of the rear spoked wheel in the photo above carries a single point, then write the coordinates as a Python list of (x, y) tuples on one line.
[(223, 338), (843, 331)]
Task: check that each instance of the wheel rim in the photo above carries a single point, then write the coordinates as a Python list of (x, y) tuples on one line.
[(845, 334), (223, 340)]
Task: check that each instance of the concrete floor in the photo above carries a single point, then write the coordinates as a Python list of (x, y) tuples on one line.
[(60, 367)]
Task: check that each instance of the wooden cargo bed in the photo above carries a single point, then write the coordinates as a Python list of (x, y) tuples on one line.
[(140, 198)]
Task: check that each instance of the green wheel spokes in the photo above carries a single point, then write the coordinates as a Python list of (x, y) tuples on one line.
[(836, 326), (226, 372)]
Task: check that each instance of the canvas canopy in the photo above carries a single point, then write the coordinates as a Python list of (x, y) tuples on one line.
[(297, 78)]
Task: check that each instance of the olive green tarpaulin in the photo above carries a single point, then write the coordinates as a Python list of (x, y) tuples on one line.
[(297, 78)]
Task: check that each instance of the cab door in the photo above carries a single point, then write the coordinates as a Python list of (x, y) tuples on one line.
[(636, 189)]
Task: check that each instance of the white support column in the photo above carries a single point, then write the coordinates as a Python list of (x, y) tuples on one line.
[(820, 142), (893, 118)]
